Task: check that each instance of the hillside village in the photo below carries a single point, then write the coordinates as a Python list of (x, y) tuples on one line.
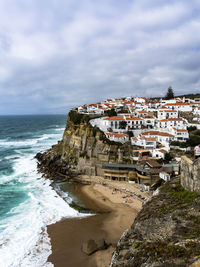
[(159, 131)]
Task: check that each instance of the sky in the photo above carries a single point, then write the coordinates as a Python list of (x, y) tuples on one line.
[(57, 54)]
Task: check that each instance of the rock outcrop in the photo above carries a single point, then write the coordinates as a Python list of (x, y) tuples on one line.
[(92, 246), (165, 232), (190, 174), (83, 150)]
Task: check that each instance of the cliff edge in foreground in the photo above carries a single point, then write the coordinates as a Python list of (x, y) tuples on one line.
[(165, 232)]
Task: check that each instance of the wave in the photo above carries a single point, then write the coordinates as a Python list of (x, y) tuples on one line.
[(27, 223), (24, 239), (18, 143)]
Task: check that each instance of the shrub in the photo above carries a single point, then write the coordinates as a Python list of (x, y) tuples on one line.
[(191, 128)]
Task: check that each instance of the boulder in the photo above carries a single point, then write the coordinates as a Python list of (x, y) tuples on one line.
[(92, 246)]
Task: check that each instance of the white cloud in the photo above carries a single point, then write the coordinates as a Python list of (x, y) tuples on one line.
[(56, 54)]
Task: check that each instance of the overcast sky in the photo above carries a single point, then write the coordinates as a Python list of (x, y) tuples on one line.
[(56, 54)]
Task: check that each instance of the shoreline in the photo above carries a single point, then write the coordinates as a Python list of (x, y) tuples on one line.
[(116, 215)]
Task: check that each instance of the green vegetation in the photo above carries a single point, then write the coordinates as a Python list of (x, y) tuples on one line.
[(107, 141), (122, 124), (179, 194), (111, 113), (169, 94), (137, 244), (191, 128), (78, 118), (168, 157)]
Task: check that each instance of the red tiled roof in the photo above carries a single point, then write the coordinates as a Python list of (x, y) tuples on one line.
[(157, 133), (163, 151), (115, 118), (177, 104), (117, 134), (167, 110), (172, 119)]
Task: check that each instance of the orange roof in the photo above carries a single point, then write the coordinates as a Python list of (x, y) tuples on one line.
[(115, 118), (163, 151), (117, 134), (181, 130), (142, 111), (167, 110), (134, 138), (134, 119), (157, 133), (177, 104), (172, 119), (141, 150), (149, 117)]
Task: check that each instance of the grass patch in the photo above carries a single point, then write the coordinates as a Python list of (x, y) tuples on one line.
[(179, 193)]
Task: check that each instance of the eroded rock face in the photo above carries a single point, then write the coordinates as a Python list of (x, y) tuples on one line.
[(82, 150), (165, 232), (190, 174)]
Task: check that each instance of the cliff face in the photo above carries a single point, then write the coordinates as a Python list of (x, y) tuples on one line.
[(190, 174), (165, 233), (82, 150)]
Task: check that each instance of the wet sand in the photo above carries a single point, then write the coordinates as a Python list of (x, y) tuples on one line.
[(67, 236)]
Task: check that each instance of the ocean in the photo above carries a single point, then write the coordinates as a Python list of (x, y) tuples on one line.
[(28, 203)]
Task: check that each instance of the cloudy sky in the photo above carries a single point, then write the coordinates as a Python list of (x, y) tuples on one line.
[(55, 54)]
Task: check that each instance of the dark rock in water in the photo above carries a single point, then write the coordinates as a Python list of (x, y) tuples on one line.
[(92, 246)]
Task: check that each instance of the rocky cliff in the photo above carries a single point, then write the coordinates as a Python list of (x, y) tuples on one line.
[(165, 233), (82, 150), (190, 174)]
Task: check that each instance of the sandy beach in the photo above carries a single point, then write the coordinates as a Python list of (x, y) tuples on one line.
[(118, 210)]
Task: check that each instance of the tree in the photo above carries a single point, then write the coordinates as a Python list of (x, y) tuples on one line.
[(168, 157), (111, 112), (122, 124), (169, 94)]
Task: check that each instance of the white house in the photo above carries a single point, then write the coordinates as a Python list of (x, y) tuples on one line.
[(167, 114), (145, 142), (162, 137), (149, 121), (140, 99), (165, 176), (113, 122), (180, 134), (184, 107), (172, 122), (134, 123), (159, 153), (122, 138)]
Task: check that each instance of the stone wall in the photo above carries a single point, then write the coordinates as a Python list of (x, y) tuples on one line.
[(190, 174)]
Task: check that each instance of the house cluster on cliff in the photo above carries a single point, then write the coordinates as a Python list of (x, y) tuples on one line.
[(149, 125)]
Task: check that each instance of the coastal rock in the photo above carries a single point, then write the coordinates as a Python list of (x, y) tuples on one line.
[(83, 150), (92, 246), (165, 232)]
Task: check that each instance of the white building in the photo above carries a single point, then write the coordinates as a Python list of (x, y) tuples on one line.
[(180, 134), (122, 138), (165, 176), (173, 122), (159, 153), (113, 122), (145, 142), (184, 107), (167, 114), (163, 138), (149, 121)]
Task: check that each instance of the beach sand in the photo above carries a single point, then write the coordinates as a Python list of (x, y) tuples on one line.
[(67, 236)]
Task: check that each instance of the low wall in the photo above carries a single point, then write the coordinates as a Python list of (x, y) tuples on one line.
[(190, 174)]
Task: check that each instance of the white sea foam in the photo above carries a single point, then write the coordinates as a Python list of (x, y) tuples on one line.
[(24, 239), (18, 143)]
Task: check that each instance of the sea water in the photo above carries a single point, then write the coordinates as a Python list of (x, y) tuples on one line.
[(28, 203)]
